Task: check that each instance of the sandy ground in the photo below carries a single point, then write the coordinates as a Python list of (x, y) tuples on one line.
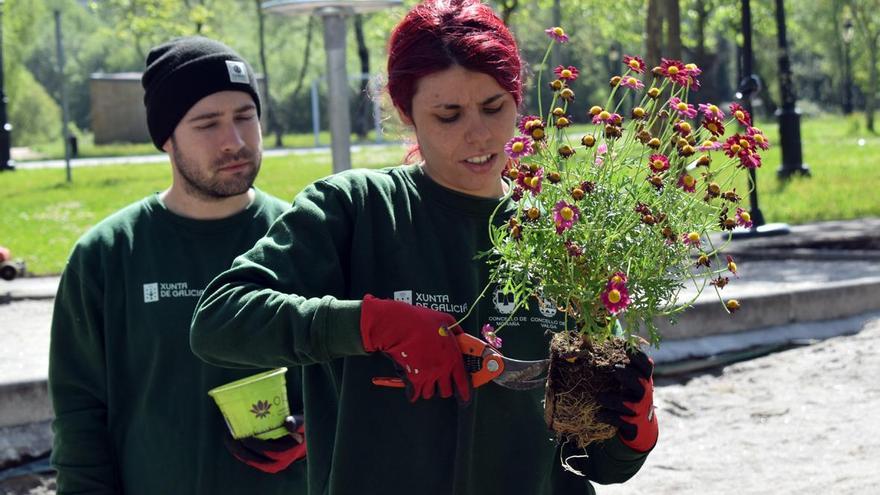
[(801, 421)]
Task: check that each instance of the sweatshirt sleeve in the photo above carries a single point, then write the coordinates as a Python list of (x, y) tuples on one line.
[(82, 452), (282, 302)]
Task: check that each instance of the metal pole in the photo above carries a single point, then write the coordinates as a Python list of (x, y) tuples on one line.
[(6, 162), (59, 46), (316, 114), (789, 118), (847, 67), (340, 122), (748, 85)]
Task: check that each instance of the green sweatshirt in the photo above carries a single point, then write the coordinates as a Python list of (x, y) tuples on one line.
[(394, 234), (132, 411)]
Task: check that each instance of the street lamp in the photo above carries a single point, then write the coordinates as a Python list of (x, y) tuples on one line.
[(6, 162), (749, 85), (847, 66), (334, 14), (789, 118)]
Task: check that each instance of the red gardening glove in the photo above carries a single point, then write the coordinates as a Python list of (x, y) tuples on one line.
[(271, 456), (631, 409), (421, 342)]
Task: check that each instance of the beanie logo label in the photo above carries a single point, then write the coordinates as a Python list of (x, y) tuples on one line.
[(237, 72)]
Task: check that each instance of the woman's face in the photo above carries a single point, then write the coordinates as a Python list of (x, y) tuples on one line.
[(462, 120)]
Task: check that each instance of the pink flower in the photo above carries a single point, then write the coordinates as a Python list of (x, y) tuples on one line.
[(600, 153), (615, 297), (518, 147), (565, 215), (715, 126), (741, 114), (569, 73), (635, 64), (675, 71), (632, 82), (759, 138), (573, 249), (747, 159), (736, 144), (490, 336), (658, 163), (684, 109), (710, 145), (687, 183), (606, 117), (531, 181), (711, 111), (691, 239), (528, 122), (692, 72), (557, 33), (731, 266), (743, 218)]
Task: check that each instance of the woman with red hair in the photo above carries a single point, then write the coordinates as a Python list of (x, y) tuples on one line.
[(369, 270)]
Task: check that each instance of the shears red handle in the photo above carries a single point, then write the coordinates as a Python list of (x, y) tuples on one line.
[(486, 364)]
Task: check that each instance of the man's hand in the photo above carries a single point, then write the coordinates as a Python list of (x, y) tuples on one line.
[(631, 409), (271, 456), (421, 342)]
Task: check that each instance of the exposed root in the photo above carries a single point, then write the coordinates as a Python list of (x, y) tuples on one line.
[(578, 372), (564, 461)]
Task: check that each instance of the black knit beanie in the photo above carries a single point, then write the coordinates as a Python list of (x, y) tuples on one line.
[(183, 71)]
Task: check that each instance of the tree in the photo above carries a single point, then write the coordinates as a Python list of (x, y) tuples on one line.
[(868, 28)]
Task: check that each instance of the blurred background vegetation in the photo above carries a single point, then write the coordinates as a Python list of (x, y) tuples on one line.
[(107, 36)]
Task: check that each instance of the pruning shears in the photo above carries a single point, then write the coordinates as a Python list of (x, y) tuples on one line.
[(486, 364)]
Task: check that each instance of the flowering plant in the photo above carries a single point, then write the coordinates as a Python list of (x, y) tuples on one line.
[(611, 224)]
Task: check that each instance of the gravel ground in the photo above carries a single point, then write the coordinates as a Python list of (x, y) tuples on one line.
[(800, 421)]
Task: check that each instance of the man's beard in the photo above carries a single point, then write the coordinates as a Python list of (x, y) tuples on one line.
[(206, 185)]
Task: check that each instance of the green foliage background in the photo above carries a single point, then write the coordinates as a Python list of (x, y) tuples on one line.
[(115, 35)]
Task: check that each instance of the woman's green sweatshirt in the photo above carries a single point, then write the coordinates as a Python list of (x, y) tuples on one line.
[(295, 299)]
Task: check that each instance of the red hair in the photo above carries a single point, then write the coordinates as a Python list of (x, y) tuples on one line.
[(438, 34)]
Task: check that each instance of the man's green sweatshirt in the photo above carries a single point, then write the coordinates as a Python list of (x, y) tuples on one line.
[(133, 414), (394, 234)]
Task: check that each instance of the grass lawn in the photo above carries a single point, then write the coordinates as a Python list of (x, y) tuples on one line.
[(41, 216), (87, 148)]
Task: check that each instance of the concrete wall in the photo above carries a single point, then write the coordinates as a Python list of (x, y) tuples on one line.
[(117, 107)]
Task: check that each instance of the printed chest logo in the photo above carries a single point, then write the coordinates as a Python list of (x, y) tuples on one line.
[(169, 290), (437, 302)]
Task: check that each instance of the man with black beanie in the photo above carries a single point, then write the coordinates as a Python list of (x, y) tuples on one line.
[(132, 413)]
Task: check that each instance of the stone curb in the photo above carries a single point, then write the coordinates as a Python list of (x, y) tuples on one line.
[(831, 301)]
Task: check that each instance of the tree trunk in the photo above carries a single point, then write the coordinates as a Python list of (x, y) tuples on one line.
[(363, 118), (871, 96), (271, 119), (305, 63), (672, 15), (508, 7), (653, 34)]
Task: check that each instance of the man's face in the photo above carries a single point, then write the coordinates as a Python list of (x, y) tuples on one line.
[(217, 147)]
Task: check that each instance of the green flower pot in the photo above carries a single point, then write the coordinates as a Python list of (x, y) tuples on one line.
[(255, 406)]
